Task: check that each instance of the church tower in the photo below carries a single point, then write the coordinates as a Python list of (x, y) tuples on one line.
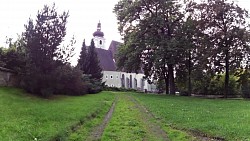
[(99, 37)]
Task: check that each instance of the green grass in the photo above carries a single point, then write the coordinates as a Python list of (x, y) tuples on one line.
[(128, 123), (125, 122), (229, 119), (25, 117)]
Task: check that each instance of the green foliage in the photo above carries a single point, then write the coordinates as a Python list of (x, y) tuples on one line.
[(83, 61), (160, 86), (106, 88), (93, 85), (2, 63), (163, 36), (89, 64), (224, 22), (151, 37), (47, 71), (244, 80), (45, 119), (13, 57), (217, 84), (214, 85), (94, 66), (69, 81)]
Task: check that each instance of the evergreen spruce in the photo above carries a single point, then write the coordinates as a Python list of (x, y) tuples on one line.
[(89, 64), (83, 60), (94, 65)]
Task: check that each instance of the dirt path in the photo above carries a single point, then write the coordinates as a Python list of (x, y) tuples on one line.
[(158, 130), (148, 119), (96, 134), (150, 124)]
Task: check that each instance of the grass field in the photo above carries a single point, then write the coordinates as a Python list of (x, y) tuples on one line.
[(25, 117), (229, 119)]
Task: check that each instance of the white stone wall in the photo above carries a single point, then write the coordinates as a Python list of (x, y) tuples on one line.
[(114, 79)]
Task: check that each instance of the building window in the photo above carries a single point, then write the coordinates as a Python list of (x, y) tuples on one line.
[(111, 76), (117, 76), (100, 42), (112, 85), (106, 76)]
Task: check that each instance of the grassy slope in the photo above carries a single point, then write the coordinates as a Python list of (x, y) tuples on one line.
[(229, 119), (25, 117)]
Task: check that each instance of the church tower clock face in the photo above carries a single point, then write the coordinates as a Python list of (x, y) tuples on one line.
[(99, 37)]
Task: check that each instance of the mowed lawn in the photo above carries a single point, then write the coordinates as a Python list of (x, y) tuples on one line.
[(229, 119), (25, 117)]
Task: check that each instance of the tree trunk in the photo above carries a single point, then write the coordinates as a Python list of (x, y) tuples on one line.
[(166, 84), (189, 74), (226, 75), (171, 79)]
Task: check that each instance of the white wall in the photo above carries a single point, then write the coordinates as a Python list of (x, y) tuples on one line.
[(114, 79)]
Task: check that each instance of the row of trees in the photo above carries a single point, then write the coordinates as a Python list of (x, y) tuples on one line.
[(43, 63), (195, 40)]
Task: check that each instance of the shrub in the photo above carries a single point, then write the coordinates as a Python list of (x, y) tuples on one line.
[(93, 85), (216, 86), (69, 81), (65, 80), (106, 88), (244, 80)]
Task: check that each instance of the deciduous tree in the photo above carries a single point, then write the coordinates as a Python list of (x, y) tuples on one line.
[(151, 32), (225, 24)]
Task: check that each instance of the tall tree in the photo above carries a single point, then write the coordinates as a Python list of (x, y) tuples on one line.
[(89, 62), (83, 62), (42, 41), (225, 24), (151, 34), (93, 63)]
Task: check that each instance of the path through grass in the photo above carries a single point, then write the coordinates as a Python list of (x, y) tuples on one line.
[(135, 117), (130, 123)]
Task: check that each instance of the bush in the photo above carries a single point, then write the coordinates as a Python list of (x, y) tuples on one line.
[(216, 86), (106, 88), (69, 81), (244, 80), (63, 80), (93, 85)]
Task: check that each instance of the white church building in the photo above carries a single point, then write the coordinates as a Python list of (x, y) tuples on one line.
[(111, 76)]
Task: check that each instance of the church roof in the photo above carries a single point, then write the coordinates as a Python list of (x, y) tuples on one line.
[(98, 34), (113, 47), (106, 59)]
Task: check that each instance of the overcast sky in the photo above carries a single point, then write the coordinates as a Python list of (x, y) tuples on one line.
[(84, 16)]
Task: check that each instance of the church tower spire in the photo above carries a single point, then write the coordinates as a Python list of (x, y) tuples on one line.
[(99, 37)]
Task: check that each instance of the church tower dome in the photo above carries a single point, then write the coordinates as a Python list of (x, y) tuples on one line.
[(99, 37)]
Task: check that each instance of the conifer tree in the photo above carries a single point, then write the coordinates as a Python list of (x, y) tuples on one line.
[(42, 40), (89, 62), (94, 65), (83, 60)]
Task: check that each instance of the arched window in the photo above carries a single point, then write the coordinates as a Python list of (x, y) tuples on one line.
[(100, 42)]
